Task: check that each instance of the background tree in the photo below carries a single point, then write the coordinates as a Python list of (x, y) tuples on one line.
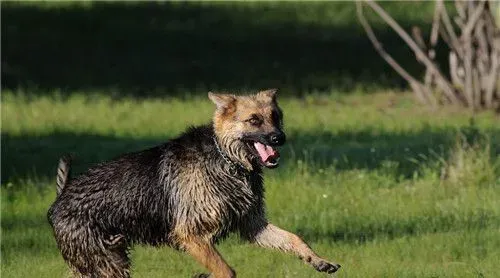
[(473, 40)]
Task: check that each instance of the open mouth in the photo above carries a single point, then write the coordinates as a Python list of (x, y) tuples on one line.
[(268, 156)]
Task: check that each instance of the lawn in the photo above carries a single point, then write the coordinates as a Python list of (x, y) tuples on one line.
[(375, 182)]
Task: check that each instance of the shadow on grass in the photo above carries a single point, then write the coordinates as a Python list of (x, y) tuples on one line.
[(358, 231), (400, 153), (36, 157), (152, 49)]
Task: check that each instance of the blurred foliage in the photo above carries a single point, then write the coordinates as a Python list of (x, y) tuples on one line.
[(178, 48)]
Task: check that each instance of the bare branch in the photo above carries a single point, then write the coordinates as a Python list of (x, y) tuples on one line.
[(454, 43), (445, 37), (477, 88), (467, 59), (492, 79), (466, 31), (482, 56), (454, 68), (380, 49), (474, 56), (459, 5), (435, 24), (429, 78), (417, 36), (414, 84), (459, 21), (440, 79)]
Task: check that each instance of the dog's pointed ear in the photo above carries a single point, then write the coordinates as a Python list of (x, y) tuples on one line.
[(222, 101), (269, 94)]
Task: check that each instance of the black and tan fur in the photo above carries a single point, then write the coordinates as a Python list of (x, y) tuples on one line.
[(187, 193)]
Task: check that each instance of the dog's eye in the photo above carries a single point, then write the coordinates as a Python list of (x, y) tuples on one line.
[(254, 120)]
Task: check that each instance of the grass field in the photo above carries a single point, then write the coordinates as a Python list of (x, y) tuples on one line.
[(384, 187)]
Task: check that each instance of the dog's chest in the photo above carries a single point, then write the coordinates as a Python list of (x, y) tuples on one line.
[(231, 200), (238, 194), (209, 198)]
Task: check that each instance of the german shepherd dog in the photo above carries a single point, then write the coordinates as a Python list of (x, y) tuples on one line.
[(187, 193)]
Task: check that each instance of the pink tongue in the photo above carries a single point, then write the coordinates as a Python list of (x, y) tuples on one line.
[(265, 151)]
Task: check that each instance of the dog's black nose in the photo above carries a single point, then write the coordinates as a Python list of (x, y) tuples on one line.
[(277, 138)]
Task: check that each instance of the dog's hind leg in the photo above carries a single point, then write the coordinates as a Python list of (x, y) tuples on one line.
[(206, 254), (107, 263), (91, 254)]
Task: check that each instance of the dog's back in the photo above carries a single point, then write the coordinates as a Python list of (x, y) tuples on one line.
[(105, 192)]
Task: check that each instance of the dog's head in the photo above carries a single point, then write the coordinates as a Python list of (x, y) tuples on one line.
[(249, 127)]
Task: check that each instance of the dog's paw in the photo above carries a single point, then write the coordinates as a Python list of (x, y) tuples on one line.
[(325, 266)]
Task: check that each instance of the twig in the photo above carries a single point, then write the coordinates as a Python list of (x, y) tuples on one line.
[(428, 79), (417, 36), (440, 79), (435, 24), (454, 43), (460, 9), (455, 77), (466, 31), (414, 84), (483, 62), (467, 59), (477, 88), (492, 79)]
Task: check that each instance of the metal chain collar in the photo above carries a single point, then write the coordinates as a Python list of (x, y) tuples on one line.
[(233, 165)]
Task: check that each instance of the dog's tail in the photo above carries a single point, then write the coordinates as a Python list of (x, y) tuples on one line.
[(63, 173)]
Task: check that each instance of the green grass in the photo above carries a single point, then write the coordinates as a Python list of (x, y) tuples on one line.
[(382, 186)]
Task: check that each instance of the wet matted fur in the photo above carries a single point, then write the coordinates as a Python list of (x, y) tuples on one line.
[(187, 193)]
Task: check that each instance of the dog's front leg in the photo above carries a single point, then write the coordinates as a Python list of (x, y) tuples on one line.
[(274, 237), (206, 254)]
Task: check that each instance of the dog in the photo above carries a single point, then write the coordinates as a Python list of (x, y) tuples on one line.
[(187, 193)]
